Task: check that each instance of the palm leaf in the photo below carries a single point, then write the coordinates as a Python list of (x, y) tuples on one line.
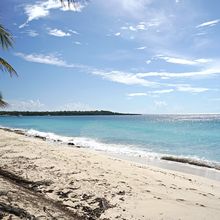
[(2, 102), (73, 2), (6, 67), (6, 39)]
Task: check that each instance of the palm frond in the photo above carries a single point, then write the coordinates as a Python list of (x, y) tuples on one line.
[(6, 39), (3, 104), (6, 67), (73, 2)]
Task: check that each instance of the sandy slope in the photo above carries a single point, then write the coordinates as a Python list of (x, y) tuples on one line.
[(54, 181)]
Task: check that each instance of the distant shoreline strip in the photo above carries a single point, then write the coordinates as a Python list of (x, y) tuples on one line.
[(62, 113)]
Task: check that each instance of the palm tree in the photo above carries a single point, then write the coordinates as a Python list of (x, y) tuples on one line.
[(6, 41)]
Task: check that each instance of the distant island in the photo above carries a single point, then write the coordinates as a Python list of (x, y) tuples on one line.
[(59, 113)]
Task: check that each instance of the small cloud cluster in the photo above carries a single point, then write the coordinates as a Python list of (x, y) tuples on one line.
[(141, 48), (177, 60), (27, 105), (179, 88), (160, 104), (77, 43), (117, 34), (141, 26), (58, 33), (36, 105), (137, 94), (31, 33), (45, 59), (209, 23), (76, 106)]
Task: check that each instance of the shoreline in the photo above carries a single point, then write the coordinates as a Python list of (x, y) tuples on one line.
[(175, 163), (42, 178), (184, 168)]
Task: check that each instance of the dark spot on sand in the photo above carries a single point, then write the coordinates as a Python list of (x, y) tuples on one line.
[(200, 205), (211, 194), (49, 191), (172, 187), (39, 137), (202, 194), (191, 189), (121, 193), (62, 194), (180, 200), (157, 198), (86, 197)]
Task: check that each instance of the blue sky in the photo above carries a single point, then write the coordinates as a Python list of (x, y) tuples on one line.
[(140, 56)]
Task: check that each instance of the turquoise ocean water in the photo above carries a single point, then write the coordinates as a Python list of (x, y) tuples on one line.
[(191, 136)]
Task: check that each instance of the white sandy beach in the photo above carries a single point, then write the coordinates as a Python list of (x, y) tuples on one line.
[(53, 181)]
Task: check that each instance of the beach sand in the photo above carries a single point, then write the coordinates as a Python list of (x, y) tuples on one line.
[(47, 180)]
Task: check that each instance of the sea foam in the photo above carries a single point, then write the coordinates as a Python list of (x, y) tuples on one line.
[(116, 149)]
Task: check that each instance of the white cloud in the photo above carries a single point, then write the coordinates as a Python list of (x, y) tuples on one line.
[(200, 34), (160, 104), (131, 28), (148, 61), (142, 26), (117, 34), (209, 23), (183, 61), (180, 88), (42, 9), (124, 28), (164, 91), (192, 89), (151, 93), (32, 33), (74, 32), (125, 78), (177, 60), (136, 79), (27, 105), (44, 59), (128, 78), (134, 8), (141, 48), (137, 94), (36, 105), (202, 60), (77, 43), (58, 33), (76, 106), (167, 75)]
